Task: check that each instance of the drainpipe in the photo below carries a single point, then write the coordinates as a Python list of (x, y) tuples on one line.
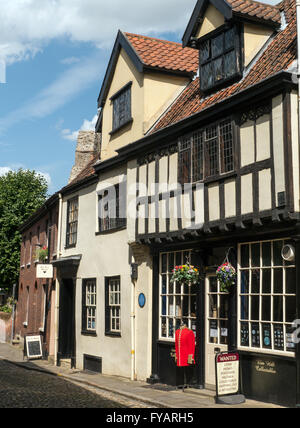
[(58, 252), (132, 317)]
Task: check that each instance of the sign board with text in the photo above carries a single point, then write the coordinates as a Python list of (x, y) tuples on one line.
[(44, 271), (33, 347), (228, 377)]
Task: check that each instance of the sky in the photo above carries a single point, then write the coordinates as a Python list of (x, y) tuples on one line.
[(53, 57)]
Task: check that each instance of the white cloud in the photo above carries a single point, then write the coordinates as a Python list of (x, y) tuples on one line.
[(70, 60), (88, 125), (4, 170), (69, 84), (28, 25)]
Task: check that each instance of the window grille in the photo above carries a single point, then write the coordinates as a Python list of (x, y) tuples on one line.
[(122, 108), (89, 305)]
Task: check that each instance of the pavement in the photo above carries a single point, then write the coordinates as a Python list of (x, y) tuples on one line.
[(153, 396)]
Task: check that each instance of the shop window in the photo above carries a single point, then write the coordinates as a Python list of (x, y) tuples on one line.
[(113, 306), (267, 297), (72, 222), (177, 301), (206, 153), (219, 59), (89, 305)]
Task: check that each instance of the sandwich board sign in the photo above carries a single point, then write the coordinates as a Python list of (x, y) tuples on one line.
[(44, 271), (33, 347), (228, 378)]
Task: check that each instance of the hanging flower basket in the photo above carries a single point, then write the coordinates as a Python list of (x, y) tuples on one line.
[(185, 274), (226, 274), (41, 254)]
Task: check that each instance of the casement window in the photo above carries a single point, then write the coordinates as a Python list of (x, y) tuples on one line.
[(113, 306), (112, 208), (72, 222), (219, 58), (267, 298), (122, 107), (89, 305), (206, 153), (177, 302)]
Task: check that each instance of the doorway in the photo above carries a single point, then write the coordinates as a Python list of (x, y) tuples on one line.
[(216, 326), (66, 347)]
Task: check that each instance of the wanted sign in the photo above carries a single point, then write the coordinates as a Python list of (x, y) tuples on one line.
[(228, 377)]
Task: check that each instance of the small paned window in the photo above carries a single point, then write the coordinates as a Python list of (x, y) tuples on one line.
[(177, 301), (72, 222), (267, 297), (113, 305), (219, 58), (112, 208), (89, 305), (206, 153), (121, 107)]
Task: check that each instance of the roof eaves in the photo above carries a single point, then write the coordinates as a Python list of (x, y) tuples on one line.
[(121, 42)]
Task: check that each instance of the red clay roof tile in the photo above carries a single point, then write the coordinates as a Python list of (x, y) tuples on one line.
[(163, 54), (278, 56)]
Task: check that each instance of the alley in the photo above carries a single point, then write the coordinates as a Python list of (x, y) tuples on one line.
[(21, 388)]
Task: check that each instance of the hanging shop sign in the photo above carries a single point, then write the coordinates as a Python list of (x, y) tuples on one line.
[(33, 347), (44, 271), (228, 378)]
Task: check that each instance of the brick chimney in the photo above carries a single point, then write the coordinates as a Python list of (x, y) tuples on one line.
[(88, 147)]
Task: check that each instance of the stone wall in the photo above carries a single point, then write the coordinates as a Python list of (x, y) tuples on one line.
[(88, 146)]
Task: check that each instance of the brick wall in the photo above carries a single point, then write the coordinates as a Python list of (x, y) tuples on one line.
[(35, 296)]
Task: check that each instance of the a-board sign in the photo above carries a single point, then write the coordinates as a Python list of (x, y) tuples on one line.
[(44, 271), (33, 347), (228, 377)]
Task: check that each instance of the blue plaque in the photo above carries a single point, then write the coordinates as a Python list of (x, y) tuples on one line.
[(142, 300)]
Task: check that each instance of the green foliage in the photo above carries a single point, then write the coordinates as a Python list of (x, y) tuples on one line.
[(21, 193)]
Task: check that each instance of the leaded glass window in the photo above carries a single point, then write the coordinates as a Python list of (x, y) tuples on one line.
[(219, 58), (121, 107), (205, 153)]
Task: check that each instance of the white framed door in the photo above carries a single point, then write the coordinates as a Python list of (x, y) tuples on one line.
[(216, 326)]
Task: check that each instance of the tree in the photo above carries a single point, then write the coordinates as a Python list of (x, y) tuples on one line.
[(21, 193)]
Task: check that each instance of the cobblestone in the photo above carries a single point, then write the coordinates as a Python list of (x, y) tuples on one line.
[(20, 388)]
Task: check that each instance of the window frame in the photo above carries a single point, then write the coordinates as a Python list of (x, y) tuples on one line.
[(176, 295), (201, 135), (237, 48), (262, 323), (85, 329), (111, 307), (107, 223), (117, 104), (72, 223)]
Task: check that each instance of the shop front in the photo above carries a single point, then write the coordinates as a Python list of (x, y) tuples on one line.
[(256, 317)]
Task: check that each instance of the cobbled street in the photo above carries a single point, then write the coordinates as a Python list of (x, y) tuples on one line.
[(22, 388)]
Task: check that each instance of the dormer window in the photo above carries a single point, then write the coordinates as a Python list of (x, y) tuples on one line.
[(220, 58), (121, 107)]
